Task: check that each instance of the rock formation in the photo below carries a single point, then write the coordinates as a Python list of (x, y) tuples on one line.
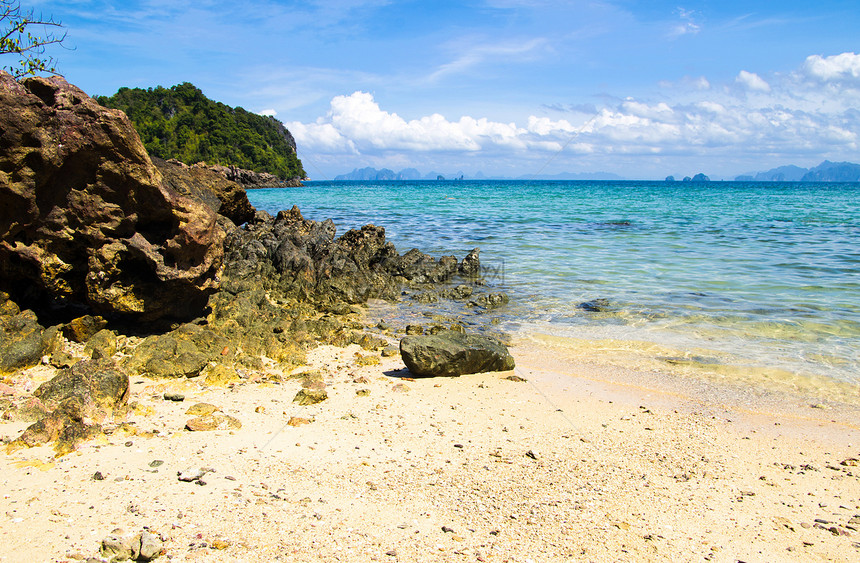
[(85, 217), (208, 185), (452, 353)]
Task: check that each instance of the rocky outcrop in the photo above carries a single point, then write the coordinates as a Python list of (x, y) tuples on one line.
[(78, 399), (452, 353), (251, 180), (206, 184), (86, 218), (23, 341), (303, 259)]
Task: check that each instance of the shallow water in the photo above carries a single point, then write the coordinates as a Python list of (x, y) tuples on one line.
[(756, 278)]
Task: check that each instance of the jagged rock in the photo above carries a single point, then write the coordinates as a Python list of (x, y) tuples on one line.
[(310, 396), (251, 180), (83, 328), (86, 218), (23, 341), (80, 395), (450, 353), (470, 267), (303, 259), (492, 300), (98, 383), (101, 345), (202, 182), (183, 352)]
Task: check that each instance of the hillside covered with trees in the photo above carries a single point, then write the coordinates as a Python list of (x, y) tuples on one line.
[(181, 123)]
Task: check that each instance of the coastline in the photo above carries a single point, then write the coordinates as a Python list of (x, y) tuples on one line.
[(578, 462)]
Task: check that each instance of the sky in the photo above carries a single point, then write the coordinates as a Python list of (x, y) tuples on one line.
[(500, 87)]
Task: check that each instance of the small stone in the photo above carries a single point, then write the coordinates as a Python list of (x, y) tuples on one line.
[(193, 474), (260, 409), (147, 546), (362, 392), (400, 388), (213, 422), (201, 409), (447, 530), (310, 396), (297, 421), (97, 476), (361, 379), (850, 462), (177, 397), (414, 329), (220, 544), (532, 454), (390, 351), (156, 463), (516, 378)]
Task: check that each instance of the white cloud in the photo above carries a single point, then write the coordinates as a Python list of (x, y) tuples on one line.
[(752, 81), (687, 25), (476, 55), (845, 66), (268, 112), (790, 115)]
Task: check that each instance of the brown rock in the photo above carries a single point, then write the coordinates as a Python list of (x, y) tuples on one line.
[(201, 182), (85, 217), (310, 396), (83, 328), (298, 421), (213, 421), (201, 409)]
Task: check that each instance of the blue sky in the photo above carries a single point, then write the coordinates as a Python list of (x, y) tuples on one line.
[(504, 87)]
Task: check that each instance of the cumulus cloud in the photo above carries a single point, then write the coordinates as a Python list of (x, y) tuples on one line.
[(790, 114), (752, 81), (843, 67), (268, 112)]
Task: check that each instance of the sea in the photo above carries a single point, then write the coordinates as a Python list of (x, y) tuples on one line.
[(752, 282)]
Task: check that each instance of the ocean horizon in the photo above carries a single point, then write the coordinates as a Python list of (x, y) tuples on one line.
[(749, 281)]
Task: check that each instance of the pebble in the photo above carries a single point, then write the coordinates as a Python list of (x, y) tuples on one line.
[(193, 473), (177, 397), (98, 476), (532, 454)]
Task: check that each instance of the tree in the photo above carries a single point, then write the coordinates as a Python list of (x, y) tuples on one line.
[(16, 39)]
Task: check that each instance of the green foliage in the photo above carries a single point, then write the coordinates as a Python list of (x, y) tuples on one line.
[(16, 39), (181, 123)]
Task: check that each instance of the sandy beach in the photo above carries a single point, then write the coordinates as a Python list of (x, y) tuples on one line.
[(574, 462)]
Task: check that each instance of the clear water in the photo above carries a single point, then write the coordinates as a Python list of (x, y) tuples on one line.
[(740, 275)]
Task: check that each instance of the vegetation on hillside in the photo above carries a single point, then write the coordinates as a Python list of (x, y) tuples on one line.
[(181, 123)]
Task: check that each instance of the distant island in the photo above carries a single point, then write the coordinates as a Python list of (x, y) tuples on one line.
[(183, 124), (825, 172), (373, 175)]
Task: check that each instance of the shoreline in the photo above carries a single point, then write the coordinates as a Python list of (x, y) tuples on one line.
[(626, 471)]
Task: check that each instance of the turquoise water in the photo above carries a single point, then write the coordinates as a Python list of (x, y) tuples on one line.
[(758, 275)]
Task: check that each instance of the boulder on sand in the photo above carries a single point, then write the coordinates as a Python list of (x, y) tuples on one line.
[(451, 353)]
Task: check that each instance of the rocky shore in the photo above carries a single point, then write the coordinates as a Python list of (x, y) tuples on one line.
[(187, 378)]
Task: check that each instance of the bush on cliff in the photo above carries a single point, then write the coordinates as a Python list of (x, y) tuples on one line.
[(181, 123)]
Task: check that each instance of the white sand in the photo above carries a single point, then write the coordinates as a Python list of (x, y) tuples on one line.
[(624, 466)]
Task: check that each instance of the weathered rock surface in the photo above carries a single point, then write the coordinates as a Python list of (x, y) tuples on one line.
[(303, 259), (23, 341), (251, 180), (211, 187), (79, 397), (183, 352), (451, 353), (86, 218), (213, 421)]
